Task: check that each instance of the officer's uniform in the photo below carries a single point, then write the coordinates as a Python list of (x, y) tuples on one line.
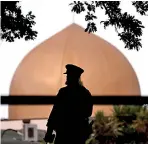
[(69, 116)]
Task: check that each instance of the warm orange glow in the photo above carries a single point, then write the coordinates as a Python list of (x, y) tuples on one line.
[(107, 71)]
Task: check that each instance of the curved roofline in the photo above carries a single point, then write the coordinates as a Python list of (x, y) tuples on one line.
[(80, 27)]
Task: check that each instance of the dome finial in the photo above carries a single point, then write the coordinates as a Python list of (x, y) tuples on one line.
[(73, 17)]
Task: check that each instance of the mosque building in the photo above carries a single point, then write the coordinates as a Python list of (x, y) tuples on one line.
[(106, 71)]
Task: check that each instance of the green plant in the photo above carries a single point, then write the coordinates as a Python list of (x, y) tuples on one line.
[(126, 110), (92, 140), (112, 130), (143, 114), (105, 129), (141, 123)]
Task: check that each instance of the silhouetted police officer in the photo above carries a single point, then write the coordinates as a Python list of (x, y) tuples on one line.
[(70, 113)]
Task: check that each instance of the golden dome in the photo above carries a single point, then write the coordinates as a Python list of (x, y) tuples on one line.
[(106, 70)]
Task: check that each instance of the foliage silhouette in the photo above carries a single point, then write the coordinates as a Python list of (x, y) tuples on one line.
[(112, 130), (14, 24), (141, 6), (128, 28)]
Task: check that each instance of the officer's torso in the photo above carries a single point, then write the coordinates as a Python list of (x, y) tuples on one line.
[(71, 109), (72, 101)]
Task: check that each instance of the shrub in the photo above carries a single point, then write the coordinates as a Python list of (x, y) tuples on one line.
[(127, 124)]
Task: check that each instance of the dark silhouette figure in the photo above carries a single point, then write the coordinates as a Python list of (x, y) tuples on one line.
[(70, 113)]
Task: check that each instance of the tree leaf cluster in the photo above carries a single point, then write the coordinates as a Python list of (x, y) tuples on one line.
[(14, 25), (141, 7), (128, 28)]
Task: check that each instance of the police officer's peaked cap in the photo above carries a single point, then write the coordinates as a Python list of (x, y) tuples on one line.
[(73, 69)]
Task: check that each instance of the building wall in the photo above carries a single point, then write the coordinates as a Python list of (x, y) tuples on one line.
[(18, 124)]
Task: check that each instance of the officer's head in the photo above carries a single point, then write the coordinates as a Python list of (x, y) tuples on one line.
[(73, 74)]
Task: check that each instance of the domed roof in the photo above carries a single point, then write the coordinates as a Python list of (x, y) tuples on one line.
[(106, 70)]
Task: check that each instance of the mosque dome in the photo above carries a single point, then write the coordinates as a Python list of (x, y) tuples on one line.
[(106, 70)]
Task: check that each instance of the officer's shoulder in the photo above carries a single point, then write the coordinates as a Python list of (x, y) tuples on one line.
[(63, 89), (85, 89)]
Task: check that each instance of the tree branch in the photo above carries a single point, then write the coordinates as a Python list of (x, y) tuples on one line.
[(109, 15)]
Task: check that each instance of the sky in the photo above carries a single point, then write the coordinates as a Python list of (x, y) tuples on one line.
[(53, 16)]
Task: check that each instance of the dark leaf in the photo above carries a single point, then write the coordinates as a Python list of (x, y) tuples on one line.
[(78, 7), (14, 24), (106, 23), (91, 27), (90, 16), (141, 6), (98, 4), (130, 27), (90, 7), (131, 42)]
